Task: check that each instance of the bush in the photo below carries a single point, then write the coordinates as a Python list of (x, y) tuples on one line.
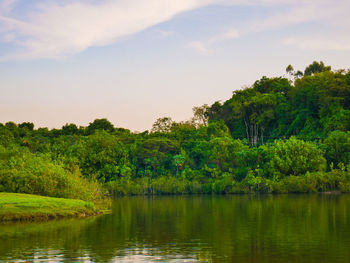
[(295, 157), (24, 172), (338, 147), (335, 180)]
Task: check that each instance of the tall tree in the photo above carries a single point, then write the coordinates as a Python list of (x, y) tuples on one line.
[(200, 116), (316, 67), (100, 124), (162, 125)]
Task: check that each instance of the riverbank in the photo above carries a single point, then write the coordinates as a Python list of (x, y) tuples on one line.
[(335, 180), (25, 207)]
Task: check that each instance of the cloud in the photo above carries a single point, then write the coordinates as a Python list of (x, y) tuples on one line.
[(302, 11), (332, 14), (53, 30), (7, 5), (227, 35), (330, 33), (200, 47), (334, 44), (292, 17), (165, 33), (205, 47)]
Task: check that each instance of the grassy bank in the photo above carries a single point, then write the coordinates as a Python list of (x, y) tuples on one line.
[(25, 207)]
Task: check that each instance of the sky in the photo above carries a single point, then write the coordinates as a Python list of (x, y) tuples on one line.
[(133, 61)]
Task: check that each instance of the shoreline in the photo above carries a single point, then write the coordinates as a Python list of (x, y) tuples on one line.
[(16, 207)]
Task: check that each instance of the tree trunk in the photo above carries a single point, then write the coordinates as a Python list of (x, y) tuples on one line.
[(246, 129)]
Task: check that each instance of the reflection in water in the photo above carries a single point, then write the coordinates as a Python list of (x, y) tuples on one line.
[(239, 228)]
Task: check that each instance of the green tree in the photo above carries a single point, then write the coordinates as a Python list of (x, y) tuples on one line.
[(100, 124), (70, 129), (178, 161), (162, 125), (316, 67), (27, 125), (338, 147), (103, 156), (200, 116), (295, 157)]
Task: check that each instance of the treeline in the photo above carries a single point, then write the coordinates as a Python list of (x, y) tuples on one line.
[(285, 134), (309, 107)]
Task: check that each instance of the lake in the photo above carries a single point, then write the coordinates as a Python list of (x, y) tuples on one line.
[(235, 228)]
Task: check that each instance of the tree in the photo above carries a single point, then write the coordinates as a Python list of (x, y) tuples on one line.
[(292, 73), (289, 69), (316, 67), (101, 154), (338, 147), (295, 157), (156, 154), (200, 116), (257, 113), (69, 129), (6, 137), (11, 125), (218, 129), (162, 125), (100, 124), (223, 151), (178, 161), (27, 125), (298, 74)]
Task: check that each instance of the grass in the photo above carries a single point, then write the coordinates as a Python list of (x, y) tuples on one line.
[(25, 207)]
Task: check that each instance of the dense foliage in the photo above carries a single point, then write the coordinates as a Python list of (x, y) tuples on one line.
[(285, 134), (24, 172)]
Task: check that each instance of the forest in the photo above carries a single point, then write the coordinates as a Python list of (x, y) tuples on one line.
[(288, 134)]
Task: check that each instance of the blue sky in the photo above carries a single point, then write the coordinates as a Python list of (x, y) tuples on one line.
[(133, 61)]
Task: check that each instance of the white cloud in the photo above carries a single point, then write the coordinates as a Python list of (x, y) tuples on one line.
[(227, 35), (335, 44), (323, 13), (333, 23), (55, 28), (205, 47), (6, 6), (200, 47), (299, 12), (165, 33), (293, 17), (328, 17)]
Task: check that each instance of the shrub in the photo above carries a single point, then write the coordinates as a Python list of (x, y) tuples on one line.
[(25, 172), (295, 157)]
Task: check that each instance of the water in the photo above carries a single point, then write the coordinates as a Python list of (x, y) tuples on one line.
[(239, 228)]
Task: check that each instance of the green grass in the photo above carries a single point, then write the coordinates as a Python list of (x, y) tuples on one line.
[(27, 207)]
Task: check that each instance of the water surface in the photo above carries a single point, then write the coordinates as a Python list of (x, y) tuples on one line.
[(238, 228)]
